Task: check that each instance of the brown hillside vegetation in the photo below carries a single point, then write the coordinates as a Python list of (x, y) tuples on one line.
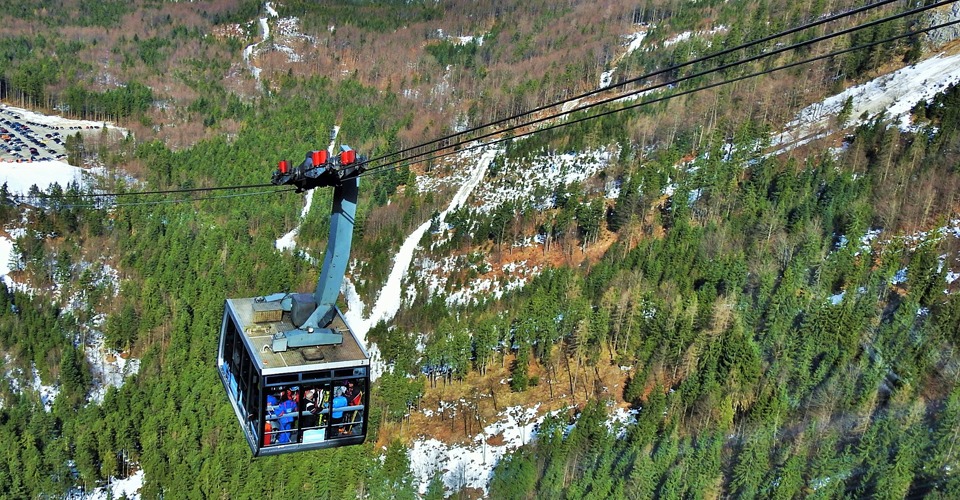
[(456, 411), (532, 53)]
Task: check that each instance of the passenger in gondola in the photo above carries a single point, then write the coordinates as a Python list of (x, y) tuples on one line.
[(270, 422), (312, 406), (339, 401), (273, 400), (349, 390), (287, 412)]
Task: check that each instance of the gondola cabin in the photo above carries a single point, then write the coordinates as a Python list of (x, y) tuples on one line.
[(297, 399), (296, 374)]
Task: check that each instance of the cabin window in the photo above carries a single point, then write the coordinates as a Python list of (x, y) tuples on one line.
[(316, 411)]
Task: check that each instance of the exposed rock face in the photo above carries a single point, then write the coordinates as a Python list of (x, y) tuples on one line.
[(937, 38)]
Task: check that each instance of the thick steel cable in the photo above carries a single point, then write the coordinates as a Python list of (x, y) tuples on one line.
[(413, 159), (155, 202), (647, 76), (663, 98)]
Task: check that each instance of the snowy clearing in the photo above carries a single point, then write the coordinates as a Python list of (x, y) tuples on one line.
[(20, 176), (117, 488), (634, 40), (390, 297), (894, 94), (543, 173), (471, 465)]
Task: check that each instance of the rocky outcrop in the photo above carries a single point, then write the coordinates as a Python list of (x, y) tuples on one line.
[(938, 38)]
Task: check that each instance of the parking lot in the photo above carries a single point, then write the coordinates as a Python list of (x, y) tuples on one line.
[(29, 137)]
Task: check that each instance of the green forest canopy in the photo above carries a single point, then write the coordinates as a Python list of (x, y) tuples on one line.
[(771, 359)]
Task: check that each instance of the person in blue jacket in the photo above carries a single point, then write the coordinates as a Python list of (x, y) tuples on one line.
[(286, 413), (273, 400), (339, 401)]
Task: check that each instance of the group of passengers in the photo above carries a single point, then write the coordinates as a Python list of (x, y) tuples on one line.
[(286, 406)]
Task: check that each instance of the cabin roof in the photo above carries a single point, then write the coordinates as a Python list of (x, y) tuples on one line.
[(259, 337)]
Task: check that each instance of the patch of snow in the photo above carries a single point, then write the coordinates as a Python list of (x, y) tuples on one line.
[(542, 173), (871, 235), (606, 78), (6, 252), (687, 35), (48, 393), (613, 189), (569, 106), (620, 419), (292, 56), (464, 40), (108, 367), (20, 176), (389, 299), (270, 10), (289, 27), (471, 465), (14, 376), (355, 310), (670, 189), (634, 40), (837, 298), (117, 488), (694, 195), (682, 37), (442, 88), (895, 94), (264, 28), (798, 143), (249, 50), (435, 274), (899, 277), (841, 242)]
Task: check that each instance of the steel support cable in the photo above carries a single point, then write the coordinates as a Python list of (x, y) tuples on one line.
[(162, 191), (163, 202), (419, 157), (624, 83), (671, 96)]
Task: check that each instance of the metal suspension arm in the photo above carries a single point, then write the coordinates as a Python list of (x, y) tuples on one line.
[(339, 172)]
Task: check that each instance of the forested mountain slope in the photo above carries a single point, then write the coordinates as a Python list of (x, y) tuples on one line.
[(779, 314)]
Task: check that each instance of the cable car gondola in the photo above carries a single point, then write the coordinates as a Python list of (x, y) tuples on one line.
[(296, 374)]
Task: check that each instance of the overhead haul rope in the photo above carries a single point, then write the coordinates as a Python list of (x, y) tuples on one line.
[(647, 76), (47, 197), (158, 202), (170, 191), (400, 164), (424, 156)]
